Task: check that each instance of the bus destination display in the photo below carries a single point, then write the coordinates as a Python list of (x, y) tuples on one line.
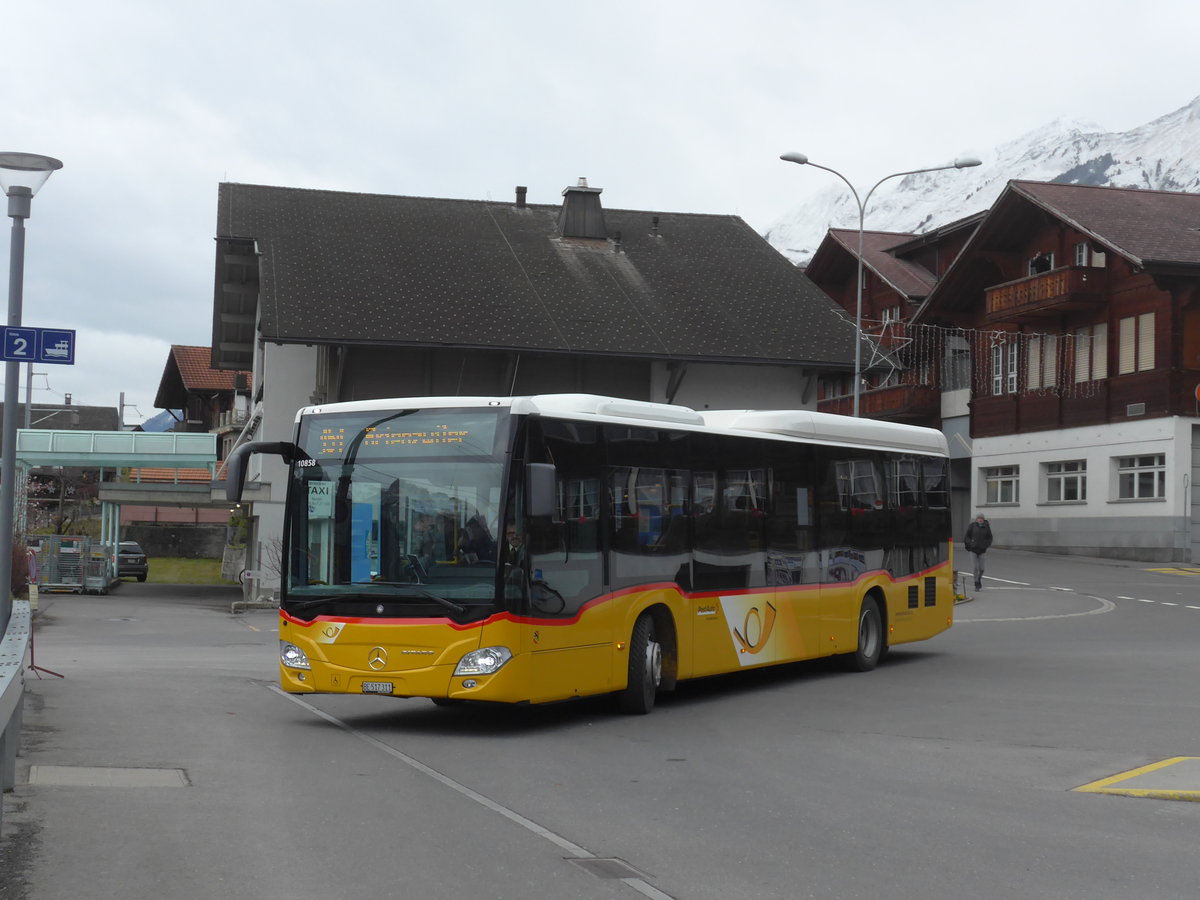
[(331, 437)]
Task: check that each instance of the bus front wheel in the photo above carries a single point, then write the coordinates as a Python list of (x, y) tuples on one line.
[(870, 637), (645, 668)]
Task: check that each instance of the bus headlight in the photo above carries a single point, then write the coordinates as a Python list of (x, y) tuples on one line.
[(292, 656), (484, 661)]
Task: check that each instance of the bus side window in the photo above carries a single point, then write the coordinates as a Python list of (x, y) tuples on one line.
[(730, 508), (648, 504), (649, 510)]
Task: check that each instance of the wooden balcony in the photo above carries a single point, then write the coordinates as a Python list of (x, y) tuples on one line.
[(1051, 293), (1116, 400), (899, 403)]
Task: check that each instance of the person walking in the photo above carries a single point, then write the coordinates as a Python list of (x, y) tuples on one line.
[(977, 541)]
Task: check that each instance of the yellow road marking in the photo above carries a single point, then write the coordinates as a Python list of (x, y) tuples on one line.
[(1178, 570), (1159, 787)]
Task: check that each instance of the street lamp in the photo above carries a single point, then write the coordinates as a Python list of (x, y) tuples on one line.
[(963, 162), (21, 174)]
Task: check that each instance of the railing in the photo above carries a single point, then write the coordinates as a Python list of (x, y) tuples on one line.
[(1047, 293), (115, 448), (232, 418), (163, 475), (14, 644), (901, 401)]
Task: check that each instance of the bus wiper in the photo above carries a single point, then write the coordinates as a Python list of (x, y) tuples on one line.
[(420, 591)]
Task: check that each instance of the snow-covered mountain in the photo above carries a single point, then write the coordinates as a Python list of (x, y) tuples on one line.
[(1160, 155)]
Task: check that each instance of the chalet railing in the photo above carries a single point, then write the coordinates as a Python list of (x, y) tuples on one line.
[(901, 401), (1049, 293), (231, 418)]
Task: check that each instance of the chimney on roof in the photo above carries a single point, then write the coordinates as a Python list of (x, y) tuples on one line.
[(521, 192), (581, 215)]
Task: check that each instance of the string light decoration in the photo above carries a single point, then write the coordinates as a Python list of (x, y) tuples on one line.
[(989, 362)]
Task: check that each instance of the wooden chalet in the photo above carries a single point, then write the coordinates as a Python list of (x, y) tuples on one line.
[(1079, 310)]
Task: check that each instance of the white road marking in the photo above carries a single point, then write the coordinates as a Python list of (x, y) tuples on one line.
[(642, 887), (1105, 606)]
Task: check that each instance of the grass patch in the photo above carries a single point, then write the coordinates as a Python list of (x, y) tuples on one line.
[(174, 570)]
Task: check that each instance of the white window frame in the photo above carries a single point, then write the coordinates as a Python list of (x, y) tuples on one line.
[(1066, 481), (1141, 477), (1001, 485), (1049, 257), (1005, 368), (891, 314)]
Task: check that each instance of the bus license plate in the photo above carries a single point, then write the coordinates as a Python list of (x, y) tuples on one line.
[(376, 687)]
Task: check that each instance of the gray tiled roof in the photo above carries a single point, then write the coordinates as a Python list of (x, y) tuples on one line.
[(349, 268), (903, 276), (1146, 226), (1157, 230)]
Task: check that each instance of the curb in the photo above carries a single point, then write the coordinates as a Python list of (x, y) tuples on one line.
[(240, 606)]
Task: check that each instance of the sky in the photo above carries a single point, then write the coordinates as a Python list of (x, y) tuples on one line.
[(666, 106)]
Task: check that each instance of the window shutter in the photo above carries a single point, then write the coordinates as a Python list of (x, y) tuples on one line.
[(1100, 351), (1083, 353), (1145, 341), (1127, 353), (1050, 361), (1033, 363)]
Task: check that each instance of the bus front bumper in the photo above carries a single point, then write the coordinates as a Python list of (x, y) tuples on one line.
[(508, 684)]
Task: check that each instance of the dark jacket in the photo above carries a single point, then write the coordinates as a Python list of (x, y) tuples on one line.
[(979, 536)]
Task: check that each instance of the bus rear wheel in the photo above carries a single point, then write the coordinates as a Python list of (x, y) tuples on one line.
[(870, 637), (645, 668)]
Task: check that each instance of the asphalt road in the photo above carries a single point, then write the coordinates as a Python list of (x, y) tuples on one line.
[(167, 764)]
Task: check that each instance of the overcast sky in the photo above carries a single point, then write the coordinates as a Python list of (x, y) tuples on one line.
[(672, 106)]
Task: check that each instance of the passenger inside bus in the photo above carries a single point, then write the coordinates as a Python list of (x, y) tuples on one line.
[(475, 544)]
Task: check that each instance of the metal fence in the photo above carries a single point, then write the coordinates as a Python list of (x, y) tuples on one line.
[(72, 563)]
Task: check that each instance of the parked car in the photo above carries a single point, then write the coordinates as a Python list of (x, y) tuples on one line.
[(131, 561)]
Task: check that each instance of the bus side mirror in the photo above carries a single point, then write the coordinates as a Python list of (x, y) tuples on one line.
[(235, 465), (540, 486)]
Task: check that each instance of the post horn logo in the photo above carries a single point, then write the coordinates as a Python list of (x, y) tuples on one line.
[(756, 622), (377, 658)]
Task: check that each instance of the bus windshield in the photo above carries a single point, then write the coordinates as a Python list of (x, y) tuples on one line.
[(396, 512)]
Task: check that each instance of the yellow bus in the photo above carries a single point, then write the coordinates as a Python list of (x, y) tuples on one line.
[(535, 549)]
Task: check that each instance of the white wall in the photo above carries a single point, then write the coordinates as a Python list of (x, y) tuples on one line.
[(1103, 524), (290, 373), (712, 386)]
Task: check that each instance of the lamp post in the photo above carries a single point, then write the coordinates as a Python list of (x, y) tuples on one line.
[(963, 162), (21, 174)]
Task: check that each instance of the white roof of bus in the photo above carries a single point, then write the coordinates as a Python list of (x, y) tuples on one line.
[(796, 423)]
